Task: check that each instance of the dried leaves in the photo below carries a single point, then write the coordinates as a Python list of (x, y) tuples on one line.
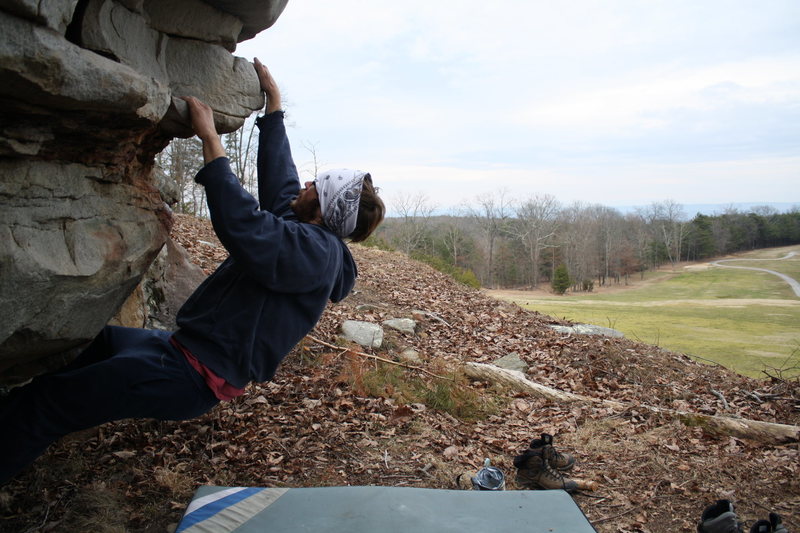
[(312, 426)]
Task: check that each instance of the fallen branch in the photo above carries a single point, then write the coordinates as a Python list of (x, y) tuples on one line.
[(767, 432), (721, 398), (755, 396), (432, 315), (619, 515), (370, 356)]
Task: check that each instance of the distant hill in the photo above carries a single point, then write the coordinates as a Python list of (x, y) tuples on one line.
[(690, 209), (716, 209)]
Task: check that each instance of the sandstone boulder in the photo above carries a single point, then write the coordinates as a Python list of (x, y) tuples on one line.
[(90, 93), (166, 285)]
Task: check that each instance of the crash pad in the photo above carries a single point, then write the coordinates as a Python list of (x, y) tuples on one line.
[(370, 509)]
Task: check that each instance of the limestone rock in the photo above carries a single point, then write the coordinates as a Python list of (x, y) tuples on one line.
[(70, 255), (42, 69), (188, 66), (512, 361), (410, 355), (366, 334), (228, 84), (166, 285), (194, 19), (588, 329), (403, 325), (257, 15), (89, 95), (53, 15), (369, 307), (133, 313)]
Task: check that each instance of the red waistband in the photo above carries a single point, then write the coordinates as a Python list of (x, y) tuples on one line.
[(223, 390)]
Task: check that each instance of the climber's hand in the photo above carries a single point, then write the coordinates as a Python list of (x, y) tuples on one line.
[(203, 126), (202, 118), (268, 85)]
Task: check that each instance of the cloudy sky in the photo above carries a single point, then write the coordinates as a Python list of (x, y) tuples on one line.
[(613, 102)]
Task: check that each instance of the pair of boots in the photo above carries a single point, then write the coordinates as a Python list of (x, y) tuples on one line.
[(721, 518), (541, 466)]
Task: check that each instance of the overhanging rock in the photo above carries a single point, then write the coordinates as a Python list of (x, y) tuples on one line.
[(89, 95)]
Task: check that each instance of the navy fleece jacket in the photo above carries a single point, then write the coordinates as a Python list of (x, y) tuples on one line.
[(273, 287)]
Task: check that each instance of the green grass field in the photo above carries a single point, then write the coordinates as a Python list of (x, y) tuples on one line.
[(748, 321)]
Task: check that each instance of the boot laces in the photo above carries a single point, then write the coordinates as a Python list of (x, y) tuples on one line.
[(548, 469)]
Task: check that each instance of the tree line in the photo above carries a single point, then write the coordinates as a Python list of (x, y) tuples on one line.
[(498, 241), (538, 240)]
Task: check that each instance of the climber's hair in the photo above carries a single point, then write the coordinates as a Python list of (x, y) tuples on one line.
[(370, 211)]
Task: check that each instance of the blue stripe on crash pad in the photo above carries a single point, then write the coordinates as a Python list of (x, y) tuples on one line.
[(209, 510)]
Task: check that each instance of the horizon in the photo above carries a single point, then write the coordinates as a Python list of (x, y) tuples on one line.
[(690, 210)]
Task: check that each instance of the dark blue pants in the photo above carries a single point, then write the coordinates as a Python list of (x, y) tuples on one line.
[(124, 373)]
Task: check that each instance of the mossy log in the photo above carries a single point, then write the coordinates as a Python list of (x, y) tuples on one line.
[(764, 432)]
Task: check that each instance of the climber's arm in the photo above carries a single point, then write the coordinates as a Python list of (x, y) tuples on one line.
[(278, 183), (203, 125)]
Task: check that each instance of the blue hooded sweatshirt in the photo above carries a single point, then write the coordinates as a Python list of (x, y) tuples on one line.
[(273, 287)]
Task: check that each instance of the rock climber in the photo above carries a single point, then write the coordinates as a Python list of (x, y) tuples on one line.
[(287, 259)]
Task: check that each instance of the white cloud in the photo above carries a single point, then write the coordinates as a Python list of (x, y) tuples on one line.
[(710, 182), (578, 99), (644, 99)]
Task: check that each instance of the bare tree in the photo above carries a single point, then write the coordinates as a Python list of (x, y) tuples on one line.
[(537, 222), (668, 222), (453, 238), (242, 152), (414, 211), (610, 235), (491, 215), (180, 161), (578, 240), (315, 163)]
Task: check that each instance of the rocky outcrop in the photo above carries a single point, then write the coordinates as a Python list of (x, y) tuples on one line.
[(166, 285), (588, 329), (89, 95)]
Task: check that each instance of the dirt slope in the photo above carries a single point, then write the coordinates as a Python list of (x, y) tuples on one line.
[(335, 418)]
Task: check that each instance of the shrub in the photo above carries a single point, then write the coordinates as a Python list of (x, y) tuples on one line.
[(561, 281), (462, 275), (454, 396), (377, 242)]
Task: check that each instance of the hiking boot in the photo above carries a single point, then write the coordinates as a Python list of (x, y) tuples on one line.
[(719, 518), (535, 470), (776, 523), (558, 460)]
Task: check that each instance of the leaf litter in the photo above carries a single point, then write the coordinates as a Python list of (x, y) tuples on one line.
[(332, 418)]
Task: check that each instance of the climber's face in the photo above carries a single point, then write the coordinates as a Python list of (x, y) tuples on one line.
[(306, 204)]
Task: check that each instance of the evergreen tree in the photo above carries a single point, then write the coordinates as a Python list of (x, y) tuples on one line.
[(701, 242), (561, 281)]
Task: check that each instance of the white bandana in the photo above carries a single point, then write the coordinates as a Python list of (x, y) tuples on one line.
[(339, 192)]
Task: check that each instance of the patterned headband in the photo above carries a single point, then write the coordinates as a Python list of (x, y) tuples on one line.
[(339, 192)]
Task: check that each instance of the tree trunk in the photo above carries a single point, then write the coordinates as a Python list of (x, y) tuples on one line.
[(765, 432)]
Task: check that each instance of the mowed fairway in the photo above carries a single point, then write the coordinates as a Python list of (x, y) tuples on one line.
[(748, 321)]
